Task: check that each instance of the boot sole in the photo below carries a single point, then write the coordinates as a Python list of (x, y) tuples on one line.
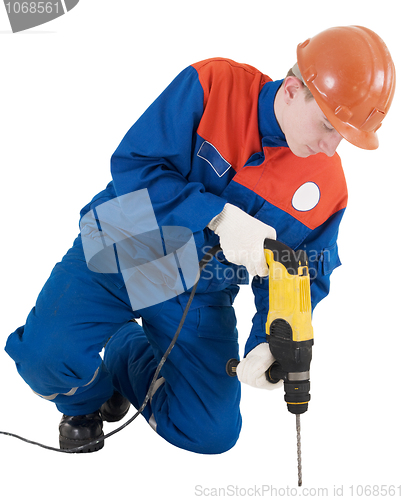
[(70, 444)]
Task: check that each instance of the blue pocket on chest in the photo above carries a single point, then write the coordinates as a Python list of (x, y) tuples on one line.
[(209, 153)]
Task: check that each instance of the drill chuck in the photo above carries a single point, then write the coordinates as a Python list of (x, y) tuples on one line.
[(296, 386)]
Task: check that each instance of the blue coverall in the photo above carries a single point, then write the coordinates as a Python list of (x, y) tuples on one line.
[(209, 139)]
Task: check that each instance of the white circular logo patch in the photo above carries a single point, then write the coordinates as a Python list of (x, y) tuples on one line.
[(306, 197)]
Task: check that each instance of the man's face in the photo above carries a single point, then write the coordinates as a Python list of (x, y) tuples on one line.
[(305, 126)]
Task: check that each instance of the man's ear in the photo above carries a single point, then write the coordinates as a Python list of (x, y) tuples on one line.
[(291, 87)]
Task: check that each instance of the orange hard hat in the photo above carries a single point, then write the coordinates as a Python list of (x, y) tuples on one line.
[(351, 74)]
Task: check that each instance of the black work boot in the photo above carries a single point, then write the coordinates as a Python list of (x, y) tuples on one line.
[(81, 430), (115, 408)]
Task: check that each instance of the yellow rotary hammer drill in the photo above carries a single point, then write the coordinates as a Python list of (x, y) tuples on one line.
[(289, 330)]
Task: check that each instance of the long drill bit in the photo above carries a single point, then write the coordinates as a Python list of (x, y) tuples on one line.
[(299, 451)]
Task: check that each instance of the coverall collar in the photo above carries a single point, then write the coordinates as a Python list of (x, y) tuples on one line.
[(269, 128)]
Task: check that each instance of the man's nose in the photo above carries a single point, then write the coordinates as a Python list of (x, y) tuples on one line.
[(329, 144)]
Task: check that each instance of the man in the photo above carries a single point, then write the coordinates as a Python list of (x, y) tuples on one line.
[(235, 158)]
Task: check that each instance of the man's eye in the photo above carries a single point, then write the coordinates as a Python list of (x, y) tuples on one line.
[(327, 127)]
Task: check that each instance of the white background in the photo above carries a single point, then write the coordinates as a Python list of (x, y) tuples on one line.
[(70, 89)]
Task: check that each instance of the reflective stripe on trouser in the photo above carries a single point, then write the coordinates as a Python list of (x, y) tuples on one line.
[(72, 391), (152, 420)]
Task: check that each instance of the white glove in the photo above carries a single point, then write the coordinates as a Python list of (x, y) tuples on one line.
[(242, 238), (251, 370)]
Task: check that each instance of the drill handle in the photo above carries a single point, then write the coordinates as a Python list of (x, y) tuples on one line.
[(275, 373)]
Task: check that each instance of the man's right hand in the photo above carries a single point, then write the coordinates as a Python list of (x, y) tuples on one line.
[(242, 238)]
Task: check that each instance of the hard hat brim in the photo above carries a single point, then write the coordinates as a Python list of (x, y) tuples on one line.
[(359, 138)]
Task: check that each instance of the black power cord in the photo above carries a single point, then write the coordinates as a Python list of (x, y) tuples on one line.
[(202, 263)]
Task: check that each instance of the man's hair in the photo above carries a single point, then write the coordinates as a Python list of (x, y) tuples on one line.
[(292, 72)]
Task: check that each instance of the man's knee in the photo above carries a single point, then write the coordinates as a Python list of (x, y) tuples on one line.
[(206, 434), (220, 437), (50, 367)]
